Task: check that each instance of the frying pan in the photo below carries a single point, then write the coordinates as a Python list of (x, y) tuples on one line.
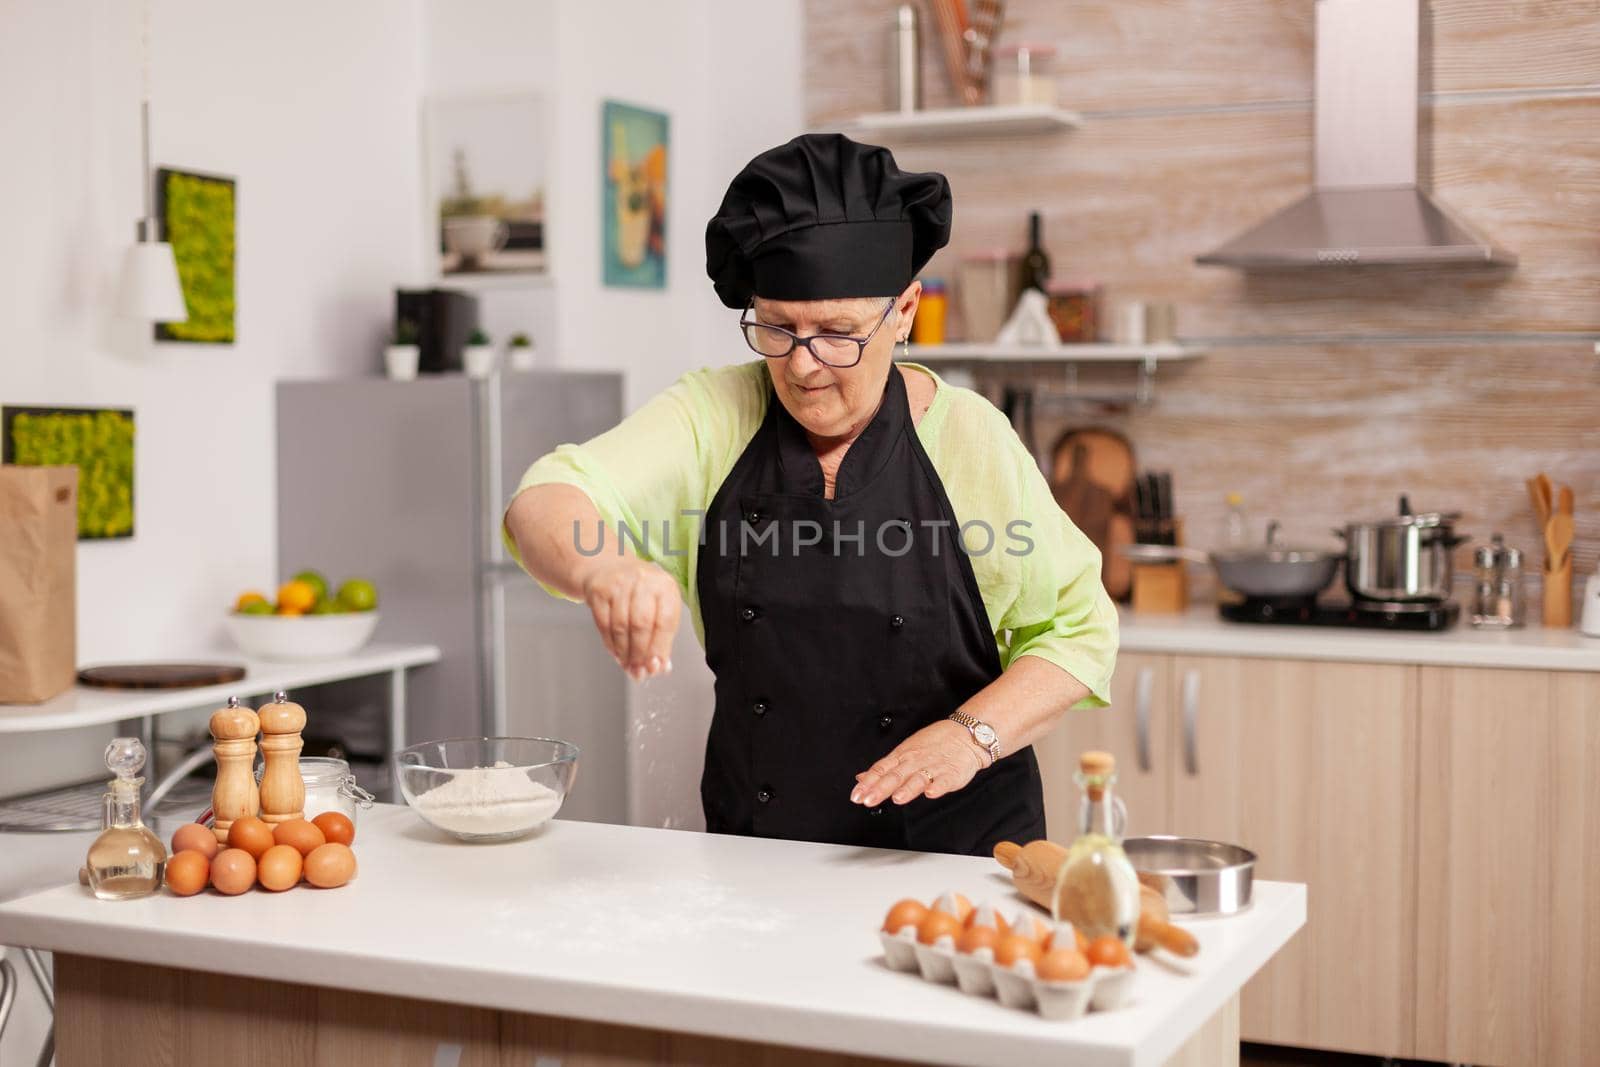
[(1269, 572)]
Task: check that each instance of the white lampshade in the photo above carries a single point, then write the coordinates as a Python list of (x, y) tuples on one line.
[(149, 286)]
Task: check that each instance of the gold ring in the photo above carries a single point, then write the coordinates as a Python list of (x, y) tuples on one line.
[(928, 775)]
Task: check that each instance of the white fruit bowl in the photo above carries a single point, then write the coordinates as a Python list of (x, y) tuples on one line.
[(301, 637)]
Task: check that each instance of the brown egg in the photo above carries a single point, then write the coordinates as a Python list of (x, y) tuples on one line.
[(905, 913), (955, 904), (250, 834), (975, 937), (1062, 965), (233, 871), (1107, 950), (331, 866), (1014, 947), (192, 837), (279, 867), (188, 871), (935, 925), (336, 827), (302, 836)]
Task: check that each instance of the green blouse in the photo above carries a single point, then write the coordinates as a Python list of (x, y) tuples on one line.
[(655, 473)]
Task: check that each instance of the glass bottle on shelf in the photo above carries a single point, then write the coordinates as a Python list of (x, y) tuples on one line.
[(127, 860), (1235, 531), (1097, 889), (1035, 264)]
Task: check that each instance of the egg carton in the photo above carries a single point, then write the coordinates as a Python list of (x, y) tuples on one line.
[(1017, 986)]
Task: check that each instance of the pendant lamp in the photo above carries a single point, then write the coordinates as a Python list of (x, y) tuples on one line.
[(149, 286)]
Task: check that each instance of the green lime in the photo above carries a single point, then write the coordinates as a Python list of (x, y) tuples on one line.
[(315, 580), (358, 594), (325, 606), (256, 607)]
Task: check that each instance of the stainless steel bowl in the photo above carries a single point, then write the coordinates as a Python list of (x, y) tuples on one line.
[(1196, 877)]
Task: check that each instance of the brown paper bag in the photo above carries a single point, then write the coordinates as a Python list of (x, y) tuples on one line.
[(38, 582)]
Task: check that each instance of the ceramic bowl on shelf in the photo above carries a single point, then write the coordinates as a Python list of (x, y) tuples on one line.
[(301, 637), (487, 788)]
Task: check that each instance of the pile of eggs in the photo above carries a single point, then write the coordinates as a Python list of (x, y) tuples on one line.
[(1024, 960), (257, 853)]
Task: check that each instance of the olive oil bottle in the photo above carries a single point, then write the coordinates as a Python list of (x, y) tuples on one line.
[(1097, 889)]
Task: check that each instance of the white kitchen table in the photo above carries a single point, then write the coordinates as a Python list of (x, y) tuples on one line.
[(592, 939)]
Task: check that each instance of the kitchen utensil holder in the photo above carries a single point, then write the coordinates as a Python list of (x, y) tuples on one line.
[(1558, 596), (1160, 588)]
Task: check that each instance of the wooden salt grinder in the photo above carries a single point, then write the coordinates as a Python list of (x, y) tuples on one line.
[(233, 733), (283, 790)]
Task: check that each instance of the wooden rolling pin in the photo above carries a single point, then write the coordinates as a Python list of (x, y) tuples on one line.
[(1033, 870)]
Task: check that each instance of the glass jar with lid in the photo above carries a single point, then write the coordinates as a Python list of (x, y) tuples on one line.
[(1024, 76), (330, 786)]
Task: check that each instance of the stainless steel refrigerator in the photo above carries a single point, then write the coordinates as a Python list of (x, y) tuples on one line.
[(404, 483)]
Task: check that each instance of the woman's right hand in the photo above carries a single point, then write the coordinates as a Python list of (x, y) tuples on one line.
[(636, 608)]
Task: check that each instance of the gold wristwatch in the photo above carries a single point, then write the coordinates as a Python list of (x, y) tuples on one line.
[(982, 733)]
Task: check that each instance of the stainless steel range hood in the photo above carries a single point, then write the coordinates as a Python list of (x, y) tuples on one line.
[(1367, 206)]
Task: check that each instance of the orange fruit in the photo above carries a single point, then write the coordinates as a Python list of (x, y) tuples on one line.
[(297, 596), (248, 598)]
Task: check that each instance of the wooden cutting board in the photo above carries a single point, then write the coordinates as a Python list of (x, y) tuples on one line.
[(159, 675)]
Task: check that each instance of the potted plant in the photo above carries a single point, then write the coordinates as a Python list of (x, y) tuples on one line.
[(479, 356), (520, 352), (401, 357)]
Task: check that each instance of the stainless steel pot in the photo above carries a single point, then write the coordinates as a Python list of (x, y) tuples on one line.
[(1409, 557), (1196, 877)]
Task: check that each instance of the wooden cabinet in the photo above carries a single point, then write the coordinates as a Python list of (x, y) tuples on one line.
[(1508, 923), (1136, 730), (1312, 765)]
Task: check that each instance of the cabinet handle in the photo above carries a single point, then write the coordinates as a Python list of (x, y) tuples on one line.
[(1191, 716), (1141, 714)]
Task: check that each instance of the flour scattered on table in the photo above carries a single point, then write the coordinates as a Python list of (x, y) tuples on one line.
[(489, 800)]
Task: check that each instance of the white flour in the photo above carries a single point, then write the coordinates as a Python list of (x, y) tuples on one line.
[(489, 800)]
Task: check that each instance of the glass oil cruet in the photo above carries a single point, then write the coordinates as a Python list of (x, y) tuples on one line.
[(127, 860), (1097, 889)]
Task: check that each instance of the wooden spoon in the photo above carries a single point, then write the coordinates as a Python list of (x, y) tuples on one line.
[(1557, 541), (1565, 496), (1541, 503), (1545, 495)]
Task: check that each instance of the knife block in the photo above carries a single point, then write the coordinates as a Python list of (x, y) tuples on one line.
[(1162, 588)]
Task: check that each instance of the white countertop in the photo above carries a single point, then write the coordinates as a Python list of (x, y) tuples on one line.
[(1202, 632), (87, 706), (735, 937)]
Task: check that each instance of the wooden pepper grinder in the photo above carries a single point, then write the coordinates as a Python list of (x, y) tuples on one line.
[(233, 733), (283, 790)]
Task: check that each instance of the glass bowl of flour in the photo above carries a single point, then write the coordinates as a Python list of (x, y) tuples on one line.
[(487, 788)]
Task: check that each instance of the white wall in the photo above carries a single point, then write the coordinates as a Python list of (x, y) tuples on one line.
[(728, 74), (312, 107)]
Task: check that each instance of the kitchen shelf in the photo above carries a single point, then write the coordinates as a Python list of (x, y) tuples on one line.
[(1146, 357), (964, 122), (1089, 352)]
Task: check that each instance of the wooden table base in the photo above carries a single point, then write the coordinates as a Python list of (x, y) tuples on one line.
[(136, 1015)]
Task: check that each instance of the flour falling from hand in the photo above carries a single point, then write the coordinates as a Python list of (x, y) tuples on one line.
[(489, 800)]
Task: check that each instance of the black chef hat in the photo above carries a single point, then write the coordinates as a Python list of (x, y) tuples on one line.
[(821, 218)]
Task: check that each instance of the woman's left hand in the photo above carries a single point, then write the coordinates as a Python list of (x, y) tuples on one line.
[(936, 760)]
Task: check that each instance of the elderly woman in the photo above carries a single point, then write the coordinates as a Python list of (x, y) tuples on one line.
[(892, 604)]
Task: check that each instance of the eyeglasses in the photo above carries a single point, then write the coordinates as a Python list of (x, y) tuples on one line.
[(832, 349)]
